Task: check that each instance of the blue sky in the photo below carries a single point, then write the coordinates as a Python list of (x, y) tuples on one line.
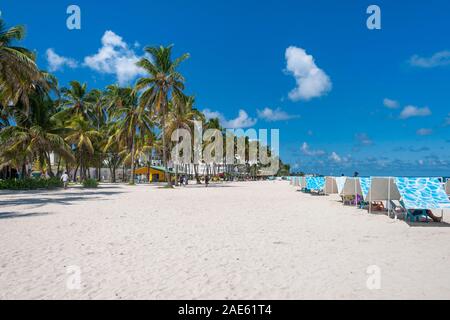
[(372, 101)]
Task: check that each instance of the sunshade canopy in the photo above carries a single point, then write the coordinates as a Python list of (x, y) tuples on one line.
[(365, 186), (422, 193), (315, 183), (340, 181), (330, 185), (352, 186), (382, 189)]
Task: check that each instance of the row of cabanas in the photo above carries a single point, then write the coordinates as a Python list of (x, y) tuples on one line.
[(412, 197)]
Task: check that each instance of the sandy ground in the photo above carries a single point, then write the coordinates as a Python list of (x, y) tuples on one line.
[(236, 241)]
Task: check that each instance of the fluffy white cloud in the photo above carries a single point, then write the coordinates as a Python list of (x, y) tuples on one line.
[(312, 153), (391, 104), (115, 57), (311, 81), (57, 62), (413, 111), (243, 120), (272, 115), (424, 132), (441, 58)]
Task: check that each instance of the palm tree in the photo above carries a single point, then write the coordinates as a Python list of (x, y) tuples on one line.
[(35, 136), (132, 119), (163, 83), (77, 100), (182, 115), (82, 136), (18, 70)]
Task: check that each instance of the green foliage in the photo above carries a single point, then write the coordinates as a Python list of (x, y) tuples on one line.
[(90, 183), (30, 184)]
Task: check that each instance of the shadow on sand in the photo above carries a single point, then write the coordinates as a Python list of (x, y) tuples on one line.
[(15, 215), (35, 199)]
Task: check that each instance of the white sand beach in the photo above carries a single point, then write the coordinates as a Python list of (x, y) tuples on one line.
[(255, 240)]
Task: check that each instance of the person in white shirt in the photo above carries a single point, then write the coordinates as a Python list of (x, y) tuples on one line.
[(65, 179)]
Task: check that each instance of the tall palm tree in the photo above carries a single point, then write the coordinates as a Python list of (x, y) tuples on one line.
[(182, 115), (163, 83), (82, 136), (131, 118), (77, 100), (18, 70)]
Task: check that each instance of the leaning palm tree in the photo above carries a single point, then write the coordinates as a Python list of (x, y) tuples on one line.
[(131, 118), (18, 70), (163, 83)]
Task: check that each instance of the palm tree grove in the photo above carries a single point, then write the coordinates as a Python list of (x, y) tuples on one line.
[(47, 130)]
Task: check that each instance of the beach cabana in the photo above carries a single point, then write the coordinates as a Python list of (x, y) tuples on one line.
[(300, 182), (421, 195), (315, 184), (447, 187), (330, 186), (351, 192), (382, 189)]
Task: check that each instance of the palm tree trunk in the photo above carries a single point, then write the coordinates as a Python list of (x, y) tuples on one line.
[(197, 177), (132, 160), (49, 165), (58, 170), (166, 170)]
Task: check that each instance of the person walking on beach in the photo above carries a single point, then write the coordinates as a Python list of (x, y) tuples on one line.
[(206, 181), (65, 179)]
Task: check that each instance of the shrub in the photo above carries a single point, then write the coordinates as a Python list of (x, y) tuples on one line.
[(90, 183), (30, 184)]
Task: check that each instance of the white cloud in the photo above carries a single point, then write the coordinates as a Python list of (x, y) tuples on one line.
[(391, 104), (57, 62), (441, 58), (272, 115), (413, 111), (335, 157), (424, 132), (312, 82), (312, 153), (115, 57), (243, 120)]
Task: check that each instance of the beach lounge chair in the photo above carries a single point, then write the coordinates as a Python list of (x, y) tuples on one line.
[(351, 192), (383, 190)]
